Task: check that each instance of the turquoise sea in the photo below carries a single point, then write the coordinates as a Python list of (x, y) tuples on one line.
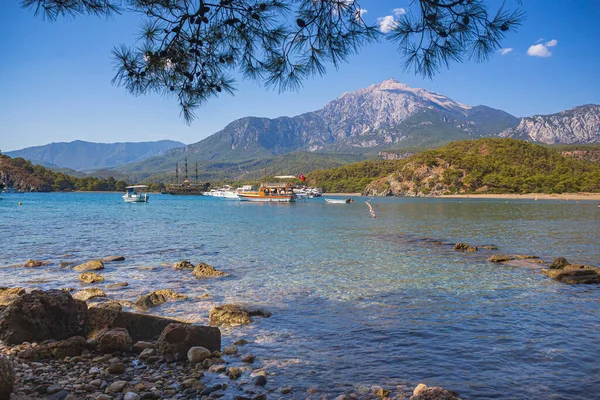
[(356, 301)]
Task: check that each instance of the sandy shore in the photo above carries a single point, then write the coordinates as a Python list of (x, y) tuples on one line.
[(529, 196)]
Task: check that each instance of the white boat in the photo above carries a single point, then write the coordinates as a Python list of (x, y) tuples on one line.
[(339, 201), (132, 196), (226, 192)]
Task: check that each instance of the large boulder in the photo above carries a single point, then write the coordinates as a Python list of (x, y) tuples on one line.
[(90, 277), (574, 273), (39, 315), (140, 326), (422, 392), (178, 339), (55, 350), (153, 299), (93, 265), (233, 314), (89, 293), (203, 270), (115, 339), (7, 377)]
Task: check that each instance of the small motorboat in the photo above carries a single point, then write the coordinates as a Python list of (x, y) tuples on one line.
[(132, 194), (339, 201)]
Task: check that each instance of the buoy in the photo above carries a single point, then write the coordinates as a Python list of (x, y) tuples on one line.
[(20, 203)]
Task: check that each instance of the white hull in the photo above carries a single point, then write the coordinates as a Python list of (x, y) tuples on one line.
[(266, 199), (336, 201), (136, 198)]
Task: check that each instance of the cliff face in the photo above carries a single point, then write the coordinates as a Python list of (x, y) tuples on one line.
[(577, 125)]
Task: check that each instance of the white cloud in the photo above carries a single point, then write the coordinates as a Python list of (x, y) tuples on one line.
[(387, 23), (398, 12), (552, 43), (540, 40), (506, 51), (538, 50)]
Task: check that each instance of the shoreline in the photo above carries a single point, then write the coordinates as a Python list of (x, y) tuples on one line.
[(528, 196)]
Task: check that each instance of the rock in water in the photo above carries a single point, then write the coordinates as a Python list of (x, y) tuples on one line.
[(152, 299), (461, 246), (8, 295), (422, 392), (90, 277), (40, 315), (113, 259), (35, 263), (233, 314), (116, 339), (559, 263), (185, 264), (203, 270), (93, 265), (7, 377), (574, 273), (178, 339), (498, 258), (89, 293)]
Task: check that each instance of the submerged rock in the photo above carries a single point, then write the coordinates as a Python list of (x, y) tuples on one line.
[(89, 293), (203, 270), (574, 273), (559, 263), (35, 263), (153, 299), (7, 377), (461, 246), (233, 314), (178, 339), (489, 247), (422, 392), (185, 264), (93, 265), (498, 258), (91, 277), (117, 285), (113, 259), (43, 315)]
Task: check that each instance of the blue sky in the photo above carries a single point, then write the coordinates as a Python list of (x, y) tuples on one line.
[(55, 77)]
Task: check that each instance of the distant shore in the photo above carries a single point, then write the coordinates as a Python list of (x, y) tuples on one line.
[(528, 196)]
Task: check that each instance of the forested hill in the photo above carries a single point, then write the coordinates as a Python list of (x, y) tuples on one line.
[(488, 165), (23, 175)]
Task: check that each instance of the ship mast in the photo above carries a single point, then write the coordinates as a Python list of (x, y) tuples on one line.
[(177, 173), (186, 171), (196, 172)]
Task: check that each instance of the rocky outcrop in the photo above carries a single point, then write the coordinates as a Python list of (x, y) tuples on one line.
[(157, 297), (178, 339), (574, 273), (55, 350), (233, 314), (91, 277), (7, 376), (39, 316), (35, 263), (203, 270), (422, 392), (93, 265)]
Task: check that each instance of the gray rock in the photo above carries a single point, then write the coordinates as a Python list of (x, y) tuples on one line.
[(116, 369), (131, 396), (259, 380), (7, 376), (180, 338), (197, 354), (89, 293), (113, 259), (233, 314), (116, 339), (157, 297), (116, 387), (559, 263), (231, 349), (90, 277)]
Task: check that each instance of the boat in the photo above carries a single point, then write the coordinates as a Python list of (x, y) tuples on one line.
[(11, 190), (226, 192), (186, 189), (339, 201), (132, 194), (269, 193)]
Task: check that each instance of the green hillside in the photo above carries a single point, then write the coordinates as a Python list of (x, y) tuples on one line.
[(473, 166)]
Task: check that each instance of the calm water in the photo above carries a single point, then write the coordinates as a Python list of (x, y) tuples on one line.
[(356, 301)]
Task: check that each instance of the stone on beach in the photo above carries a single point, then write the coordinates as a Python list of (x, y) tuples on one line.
[(113, 259), (422, 392), (93, 265), (71, 347), (89, 293), (233, 314), (203, 270), (198, 354), (178, 339), (152, 299), (90, 277), (116, 339), (40, 315), (7, 376), (574, 273)]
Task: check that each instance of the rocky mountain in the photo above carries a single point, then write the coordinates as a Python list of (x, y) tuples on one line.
[(86, 156), (577, 125), (382, 116)]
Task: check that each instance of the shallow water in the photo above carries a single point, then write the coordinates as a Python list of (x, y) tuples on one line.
[(356, 301)]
